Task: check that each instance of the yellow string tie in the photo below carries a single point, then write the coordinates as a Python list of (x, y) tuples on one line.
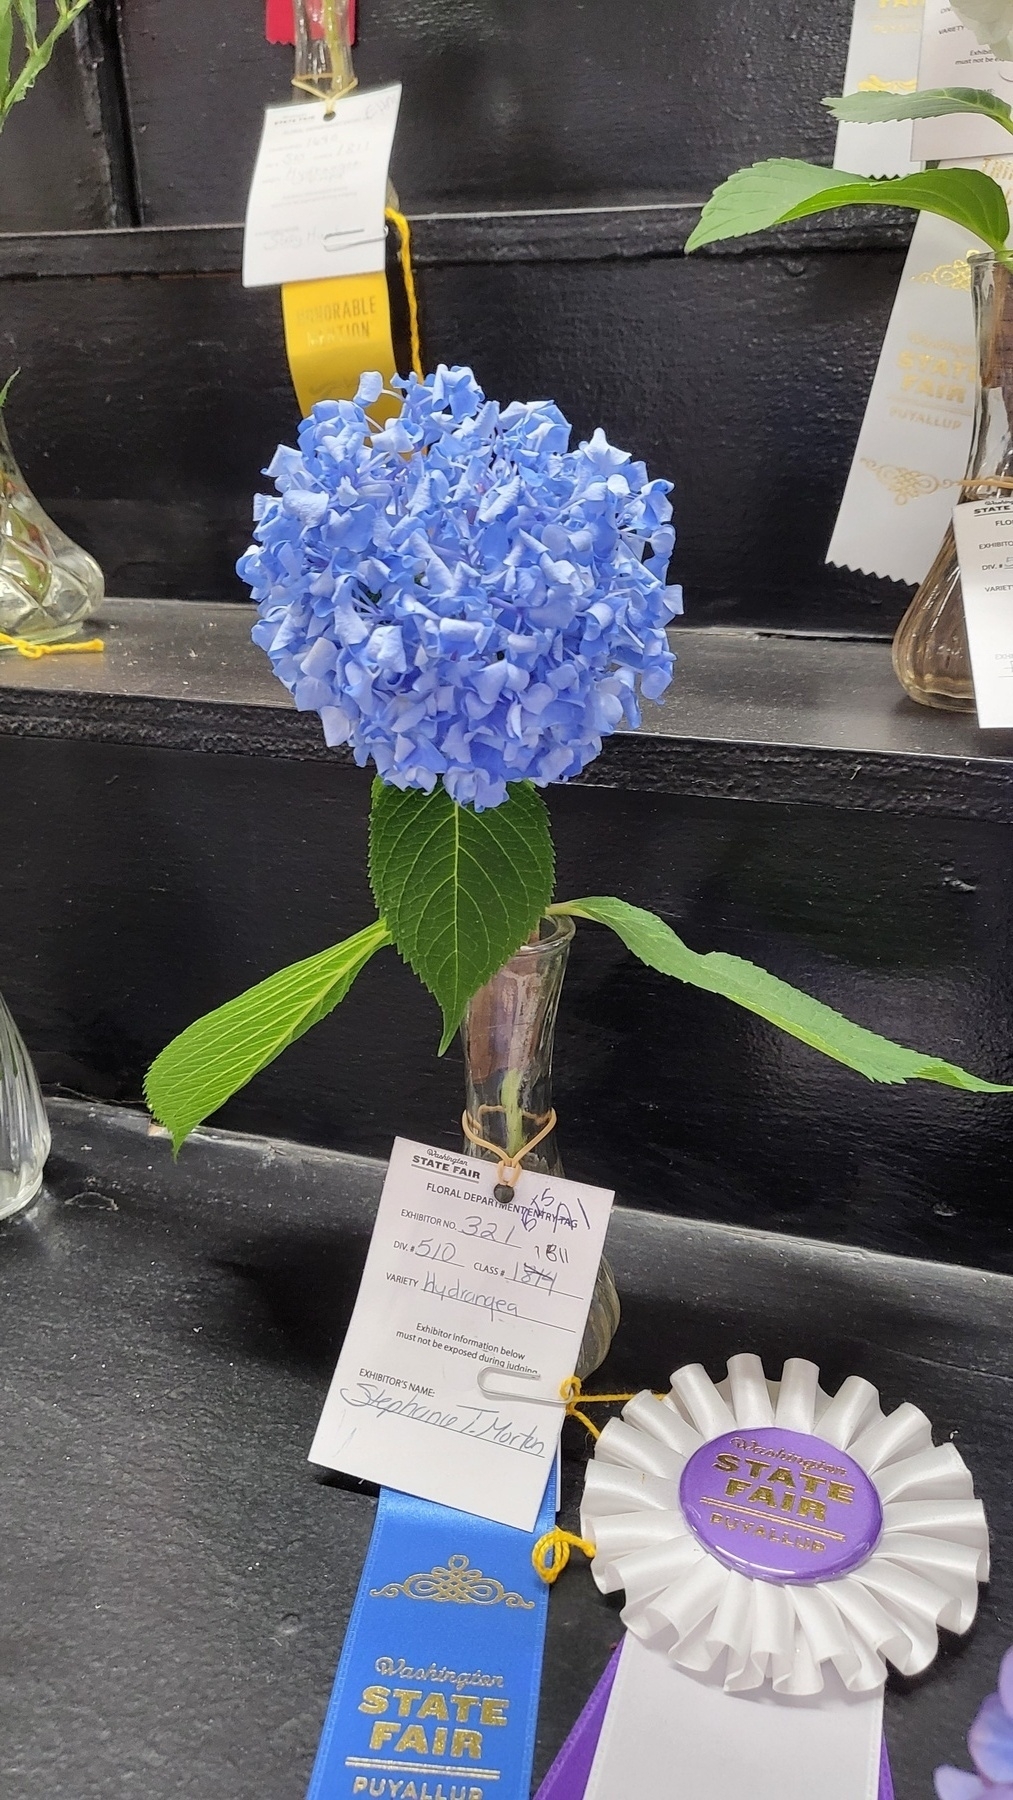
[(33, 651), (552, 1551), (404, 232)]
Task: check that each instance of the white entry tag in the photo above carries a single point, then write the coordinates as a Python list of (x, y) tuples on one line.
[(952, 57), (319, 188), (984, 533), (882, 59), (468, 1321)]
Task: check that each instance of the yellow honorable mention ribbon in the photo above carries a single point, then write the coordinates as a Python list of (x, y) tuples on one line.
[(336, 329)]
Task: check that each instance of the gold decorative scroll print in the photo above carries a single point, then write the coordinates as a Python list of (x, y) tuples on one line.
[(906, 484), (458, 1584)]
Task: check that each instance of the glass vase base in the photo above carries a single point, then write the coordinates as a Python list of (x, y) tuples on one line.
[(15, 1197)]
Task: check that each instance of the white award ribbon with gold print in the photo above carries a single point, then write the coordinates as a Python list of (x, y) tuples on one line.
[(778, 1546), (915, 437), (882, 59)]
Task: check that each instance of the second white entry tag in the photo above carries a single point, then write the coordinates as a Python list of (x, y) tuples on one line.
[(468, 1320), (984, 533)]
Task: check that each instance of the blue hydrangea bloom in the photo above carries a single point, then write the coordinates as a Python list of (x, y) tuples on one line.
[(461, 596), (990, 1741)]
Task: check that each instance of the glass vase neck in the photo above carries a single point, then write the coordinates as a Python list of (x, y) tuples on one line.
[(508, 1036)]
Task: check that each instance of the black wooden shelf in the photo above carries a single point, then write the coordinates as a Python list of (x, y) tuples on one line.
[(751, 715), (615, 229)]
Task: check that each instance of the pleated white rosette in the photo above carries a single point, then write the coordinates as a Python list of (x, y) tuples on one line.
[(684, 1601)]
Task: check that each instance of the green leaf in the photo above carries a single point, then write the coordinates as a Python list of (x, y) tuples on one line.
[(460, 890), (39, 54), (217, 1055), (6, 42), (820, 1026), (5, 390), (772, 193), (933, 103), (28, 14)]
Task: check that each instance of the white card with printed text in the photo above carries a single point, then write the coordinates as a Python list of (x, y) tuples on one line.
[(951, 56), (316, 205), (984, 533), (468, 1320)]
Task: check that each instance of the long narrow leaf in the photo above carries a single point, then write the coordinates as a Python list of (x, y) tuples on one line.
[(6, 41), (217, 1055), (775, 192), (875, 1057), (932, 103), (39, 54)]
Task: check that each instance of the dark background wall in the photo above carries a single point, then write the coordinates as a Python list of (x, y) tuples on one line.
[(149, 400)]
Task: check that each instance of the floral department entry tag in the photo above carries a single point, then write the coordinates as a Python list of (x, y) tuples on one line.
[(984, 533), (316, 205), (468, 1321)]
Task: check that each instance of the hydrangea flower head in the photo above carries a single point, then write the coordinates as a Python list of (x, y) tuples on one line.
[(990, 1741), (462, 596)]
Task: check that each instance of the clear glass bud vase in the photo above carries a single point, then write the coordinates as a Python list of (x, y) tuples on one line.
[(47, 583), (930, 655), (508, 1036), (24, 1127)]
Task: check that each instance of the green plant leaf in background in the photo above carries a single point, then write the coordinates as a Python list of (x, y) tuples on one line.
[(36, 54), (28, 13), (932, 103), (772, 193), (6, 42), (657, 945), (218, 1054), (460, 890)]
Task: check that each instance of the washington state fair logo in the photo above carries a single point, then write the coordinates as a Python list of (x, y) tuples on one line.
[(782, 1482)]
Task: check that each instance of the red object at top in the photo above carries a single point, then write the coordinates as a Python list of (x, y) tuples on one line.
[(281, 25)]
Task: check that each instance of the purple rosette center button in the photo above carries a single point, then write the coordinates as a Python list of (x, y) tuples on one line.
[(781, 1506)]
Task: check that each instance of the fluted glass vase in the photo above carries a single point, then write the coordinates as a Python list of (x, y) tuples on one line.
[(47, 583), (930, 654), (323, 49), (24, 1127), (508, 1035)]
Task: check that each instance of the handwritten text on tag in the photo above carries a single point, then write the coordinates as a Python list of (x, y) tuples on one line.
[(468, 1320), (319, 187)]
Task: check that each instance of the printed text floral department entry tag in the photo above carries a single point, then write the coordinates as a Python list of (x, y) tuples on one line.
[(468, 1321)]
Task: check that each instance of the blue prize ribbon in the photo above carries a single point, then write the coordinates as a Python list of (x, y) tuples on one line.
[(436, 1694)]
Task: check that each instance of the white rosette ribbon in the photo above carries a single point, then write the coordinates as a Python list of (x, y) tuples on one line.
[(922, 1574)]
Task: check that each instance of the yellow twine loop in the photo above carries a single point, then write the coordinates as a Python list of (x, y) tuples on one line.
[(508, 1164), (997, 481), (404, 232), (33, 651), (552, 1552)]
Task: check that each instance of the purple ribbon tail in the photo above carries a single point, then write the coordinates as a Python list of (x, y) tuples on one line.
[(568, 1776)]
